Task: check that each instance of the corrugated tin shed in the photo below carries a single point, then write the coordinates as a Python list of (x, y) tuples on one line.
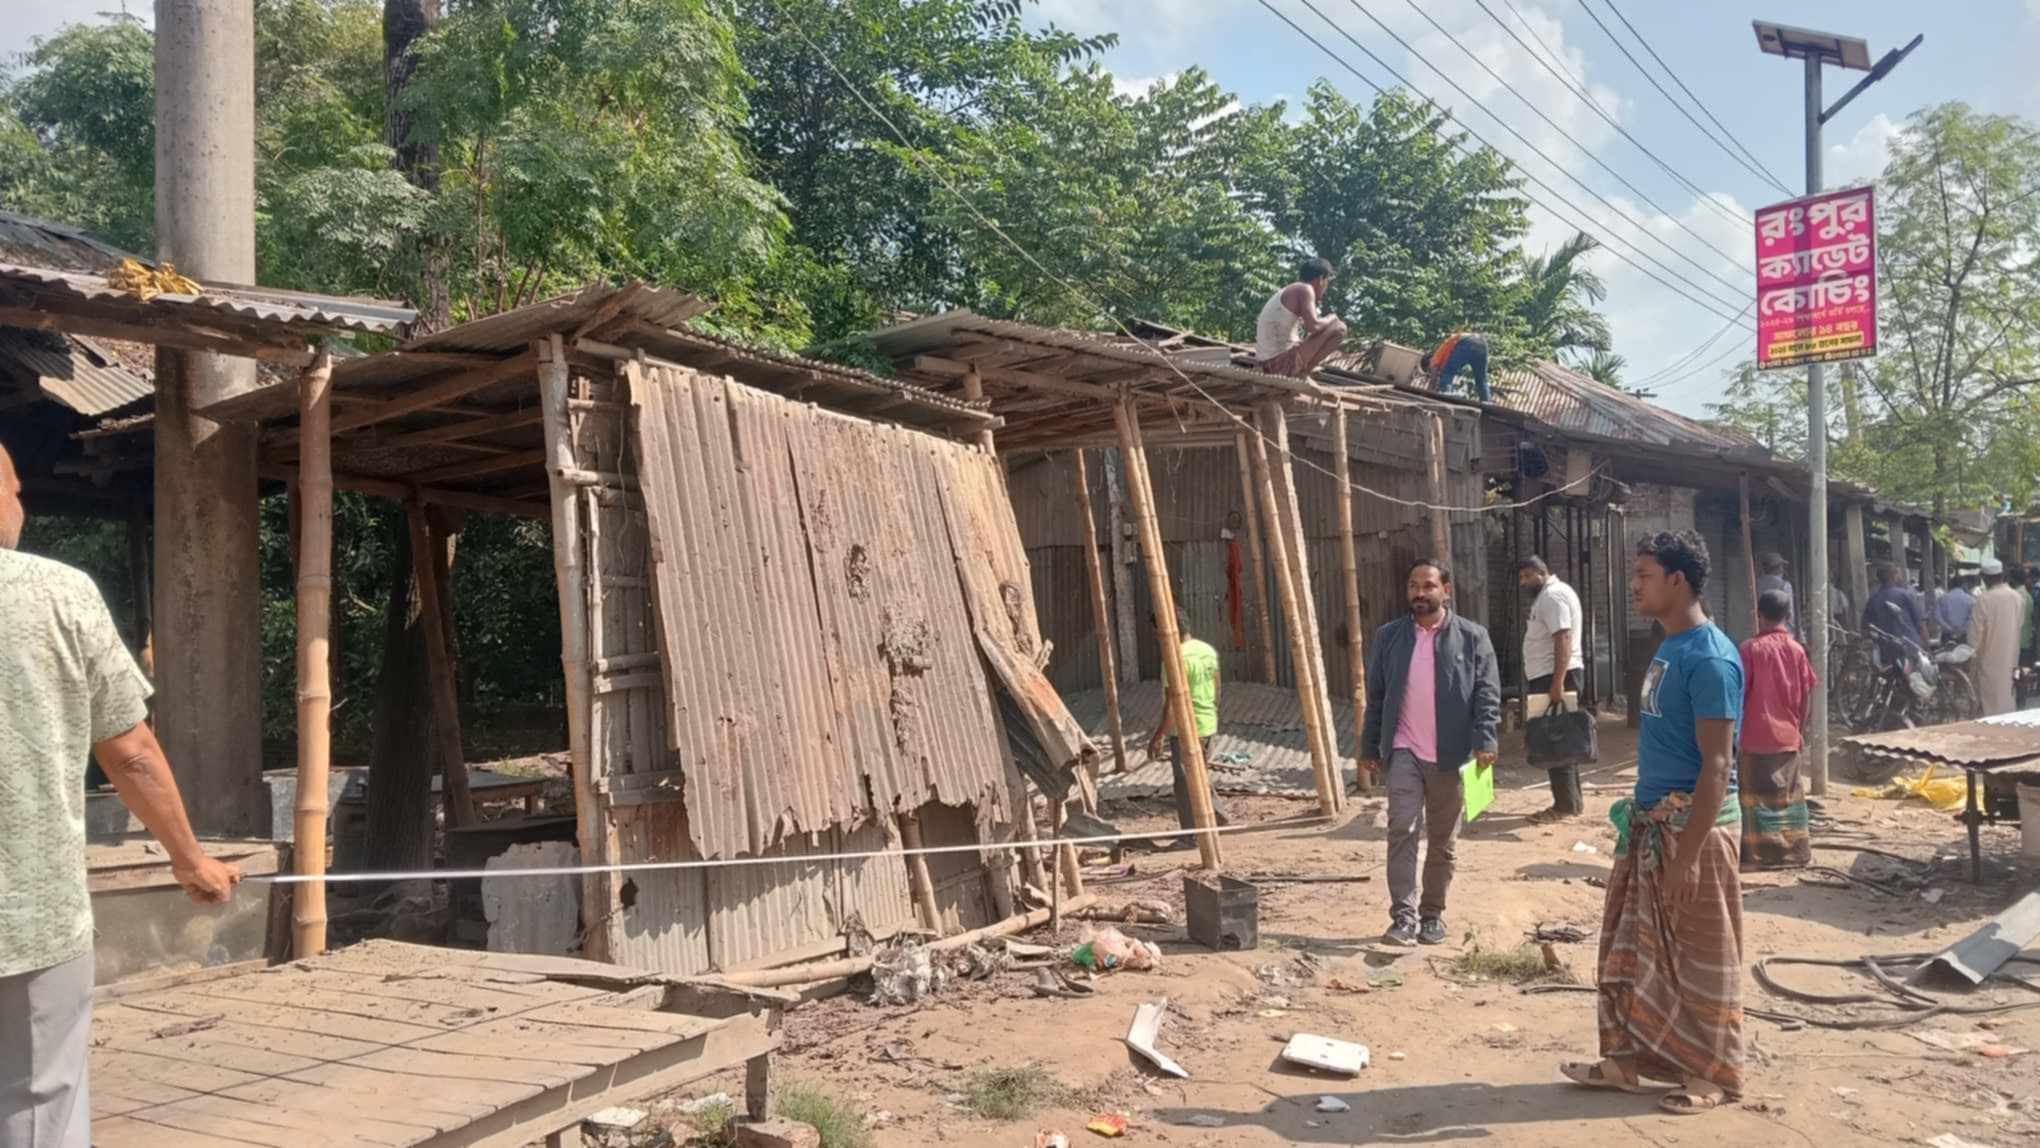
[(264, 314), (1568, 401), (36, 242), (82, 374)]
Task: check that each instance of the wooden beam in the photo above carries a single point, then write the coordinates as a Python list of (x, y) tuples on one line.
[(313, 500), (439, 669), (594, 828), (1257, 560), (403, 492), (1122, 570), (474, 468), (1174, 675), (1855, 559), (437, 392), (294, 353), (465, 429), (1434, 467), (1742, 490), (1101, 619), (1349, 562), (1292, 577)]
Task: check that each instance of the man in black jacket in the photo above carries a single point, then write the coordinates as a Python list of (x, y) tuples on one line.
[(1434, 702)]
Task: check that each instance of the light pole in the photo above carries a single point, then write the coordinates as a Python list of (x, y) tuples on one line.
[(1817, 49)]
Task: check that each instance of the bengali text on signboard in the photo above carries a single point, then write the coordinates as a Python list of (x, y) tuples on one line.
[(1817, 279)]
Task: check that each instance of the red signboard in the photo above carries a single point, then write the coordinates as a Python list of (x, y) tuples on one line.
[(1817, 279)]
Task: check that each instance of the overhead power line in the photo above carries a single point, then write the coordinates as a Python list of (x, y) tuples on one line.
[(1676, 283), (1680, 363), (1757, 170), (1733, 261), (1578, 86), (1736, 290), (1665, 385), (1690, 94)]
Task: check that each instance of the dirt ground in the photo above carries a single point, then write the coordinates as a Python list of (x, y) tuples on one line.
[(1453, 1060)]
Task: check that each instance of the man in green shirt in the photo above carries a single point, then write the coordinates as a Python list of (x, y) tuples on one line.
[(67, 687), (1200, 665)]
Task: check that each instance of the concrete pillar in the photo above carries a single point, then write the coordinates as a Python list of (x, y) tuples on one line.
[(208, 600)]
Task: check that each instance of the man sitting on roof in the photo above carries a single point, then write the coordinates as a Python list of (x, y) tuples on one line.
[(1461, 349), (1290, 337)]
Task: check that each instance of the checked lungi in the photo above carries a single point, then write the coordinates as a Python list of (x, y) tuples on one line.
[(1670, 978), (1775, 834)]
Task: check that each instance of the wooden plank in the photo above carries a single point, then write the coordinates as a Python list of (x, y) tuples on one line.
[(436, 392), (350, 1125), (417, 1097), (464, 429), (477, 467), (471, 1066), (130, 1132), (400, 491), (267, 1039), (524, 1038), (1257, 560), (434, 989), (675, 1025), (1101, 618), (270, 991), (111, 1097), (294, 1017), (216, 1051), (117, 1065)]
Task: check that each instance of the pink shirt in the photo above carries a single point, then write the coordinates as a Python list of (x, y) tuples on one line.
[(1416, 728)]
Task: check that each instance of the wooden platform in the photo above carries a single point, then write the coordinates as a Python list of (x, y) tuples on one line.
[(393, 1044)]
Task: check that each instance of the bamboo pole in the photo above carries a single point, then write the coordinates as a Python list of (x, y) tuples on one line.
[(1288, 553), (314, 499), (1257, 561), (592, 829), (917, 872), (1356, 654), (1749, 552), (1434, 465), (1072, 869), (439, 671), (1122, 574), (1174, 675), (851, 966), (1101, 618)]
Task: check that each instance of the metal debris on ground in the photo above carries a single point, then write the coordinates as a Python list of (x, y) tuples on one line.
[(1052, 983), (1561, 934), (1332, 1104), (1144, 1036), (1978, 955)]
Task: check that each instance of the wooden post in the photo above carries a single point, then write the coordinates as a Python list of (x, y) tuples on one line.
[(1257, 561), (1434, 467), (1349, 557), (917, 872), (1174, 677), (1101, 618), (1855, 559), (314, 687), (593, 829), (974, 390), (1295, 620), (1122, 573), (1748, 548), (439, 671), (1072, 870)]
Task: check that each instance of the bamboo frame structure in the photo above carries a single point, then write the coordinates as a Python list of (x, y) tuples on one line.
[(1434, 467), (1101, 617), (1174, 676), (1749, 552), (595, 831), (917, 872), (1122, 573), (1349, 561), (1257, 560), (439, 668), (314, 500), (1278, 486)]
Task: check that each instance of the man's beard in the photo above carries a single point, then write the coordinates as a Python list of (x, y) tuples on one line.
[(1425, 608)]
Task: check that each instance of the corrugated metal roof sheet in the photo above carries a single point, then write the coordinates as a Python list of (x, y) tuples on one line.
[(1991, 741), (47, 243), (1568, 401), (74, 371), (294, 311)]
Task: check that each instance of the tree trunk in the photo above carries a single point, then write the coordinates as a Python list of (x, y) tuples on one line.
[(400, 808), (404, 22)]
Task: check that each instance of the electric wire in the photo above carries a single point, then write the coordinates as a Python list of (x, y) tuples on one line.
[(1578, 86), (1690, 94), (1755, 170), (1680, 363)]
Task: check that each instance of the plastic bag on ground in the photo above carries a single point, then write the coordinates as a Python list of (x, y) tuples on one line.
[(1108, 950)]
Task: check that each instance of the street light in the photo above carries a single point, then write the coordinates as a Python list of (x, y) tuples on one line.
[(1818, 48)]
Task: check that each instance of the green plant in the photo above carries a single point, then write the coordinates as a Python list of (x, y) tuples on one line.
[(1013, 1093), (1520, 965), (840, 1125), (714, 1125)]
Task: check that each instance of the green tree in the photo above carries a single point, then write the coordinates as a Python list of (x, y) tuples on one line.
[(1557, 301), (1604, 367), (78, 131)]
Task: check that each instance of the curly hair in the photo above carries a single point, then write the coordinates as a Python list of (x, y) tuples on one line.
[(1681, 553)]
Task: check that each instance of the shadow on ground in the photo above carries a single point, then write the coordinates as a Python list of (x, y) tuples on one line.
[(1425, 1113)]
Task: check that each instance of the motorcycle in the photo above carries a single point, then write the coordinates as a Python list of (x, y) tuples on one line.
[(1902, 690)]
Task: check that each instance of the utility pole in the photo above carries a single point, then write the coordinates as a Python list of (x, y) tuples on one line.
[(208, 582), (1818, 49)]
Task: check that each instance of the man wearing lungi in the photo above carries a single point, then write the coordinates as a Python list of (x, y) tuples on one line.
[(1777, 687), (1670, 987)]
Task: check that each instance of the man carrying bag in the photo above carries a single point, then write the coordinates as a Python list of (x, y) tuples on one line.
[(1558, 734)]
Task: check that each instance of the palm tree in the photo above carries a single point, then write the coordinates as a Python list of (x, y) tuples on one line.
[(1604, 367), (1560, 292)]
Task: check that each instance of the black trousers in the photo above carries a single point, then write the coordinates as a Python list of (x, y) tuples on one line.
[(1566, 796)]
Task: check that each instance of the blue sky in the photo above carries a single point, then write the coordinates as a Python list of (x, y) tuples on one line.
[(1980, 51)]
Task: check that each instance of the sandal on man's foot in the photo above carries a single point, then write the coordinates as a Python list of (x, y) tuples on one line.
[(1595, 1074), (1692, 1101)]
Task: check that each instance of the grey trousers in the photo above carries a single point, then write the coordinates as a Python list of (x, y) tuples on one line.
[(45, 1032), (1422, 799)]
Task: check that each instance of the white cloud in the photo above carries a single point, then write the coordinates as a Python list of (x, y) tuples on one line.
[(1863, 157), (1135, 87), (1160, 25)]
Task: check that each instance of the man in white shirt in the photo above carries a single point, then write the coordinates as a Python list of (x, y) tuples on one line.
[(1552, 666), (1290, 337)]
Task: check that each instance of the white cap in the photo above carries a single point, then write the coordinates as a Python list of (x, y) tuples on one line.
[(1992, 566)]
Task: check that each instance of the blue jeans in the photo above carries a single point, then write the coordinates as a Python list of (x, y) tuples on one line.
[(1469, 352)]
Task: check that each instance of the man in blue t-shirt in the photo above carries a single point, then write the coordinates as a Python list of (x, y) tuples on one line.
[(1670, 975)]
